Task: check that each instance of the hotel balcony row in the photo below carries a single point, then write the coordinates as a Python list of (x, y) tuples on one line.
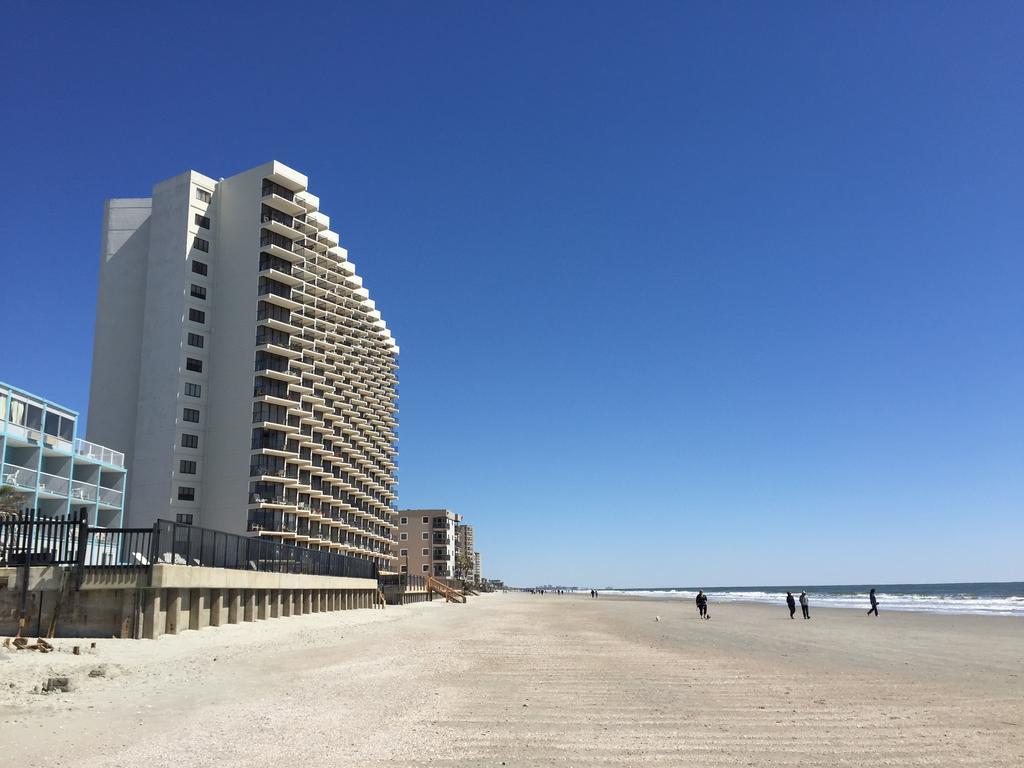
[(55, 472)]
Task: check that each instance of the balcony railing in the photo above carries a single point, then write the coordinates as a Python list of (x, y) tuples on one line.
[(109, 496), (54, 484), (83, 491), (99, 453), (22, 477)]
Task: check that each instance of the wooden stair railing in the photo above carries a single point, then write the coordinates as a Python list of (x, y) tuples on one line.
[(450, 594)]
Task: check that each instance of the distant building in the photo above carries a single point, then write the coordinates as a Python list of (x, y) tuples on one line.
[(426, 541), (465, 554), (242, 366), (478, 569), (57, 473)]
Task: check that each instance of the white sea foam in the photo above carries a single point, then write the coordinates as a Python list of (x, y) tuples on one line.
[(991, 606)]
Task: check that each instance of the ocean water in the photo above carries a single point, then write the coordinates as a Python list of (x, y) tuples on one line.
[(988, 598)]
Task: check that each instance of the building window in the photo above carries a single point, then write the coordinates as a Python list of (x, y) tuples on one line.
[(426, 520), (184, 519), (192, 390), (199, 267), (426, 552), (196, 315), (405, 569), (186, 493), (190, 414), (426, 568), (189, 441), (203, 196), (198, 291), (403, 553), (404, 521), (195, 340), (202, 221), (403, 536), (191, 364), (187, 467), (201, 245), (426, 535)]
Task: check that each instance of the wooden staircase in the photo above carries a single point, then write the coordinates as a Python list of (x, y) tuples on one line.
[(450, 594)]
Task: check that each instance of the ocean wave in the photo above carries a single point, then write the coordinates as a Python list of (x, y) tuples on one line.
[(1010, 605)]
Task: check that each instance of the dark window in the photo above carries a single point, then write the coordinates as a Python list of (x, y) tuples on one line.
[(198, 291), (268, 261), (426, 519), (201, 245), (183, 519), (276, 414), (203, 195), (192, 390), (189, 441), (195, 340), (59, 426), (266, 285), (202, 221), (187, 467), (272, 238), (190, 414), (196, 315), (267, 311), (266, 335), (199, 268), (185, 493), (194, 365), (273, 188)]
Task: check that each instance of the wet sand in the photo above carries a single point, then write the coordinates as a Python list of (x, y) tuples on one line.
[(530, 680)]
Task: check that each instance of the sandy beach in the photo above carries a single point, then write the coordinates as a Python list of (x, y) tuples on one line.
[(530, 680)]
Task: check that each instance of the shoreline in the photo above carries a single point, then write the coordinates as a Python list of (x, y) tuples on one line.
[(882, 608)]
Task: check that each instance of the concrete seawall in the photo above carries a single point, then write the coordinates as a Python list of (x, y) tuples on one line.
[(167, 599)]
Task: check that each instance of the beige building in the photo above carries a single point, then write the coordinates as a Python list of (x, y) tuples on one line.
[(426, 541), (466, 556)]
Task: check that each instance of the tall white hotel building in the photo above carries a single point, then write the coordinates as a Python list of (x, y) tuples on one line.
[(242, 368)]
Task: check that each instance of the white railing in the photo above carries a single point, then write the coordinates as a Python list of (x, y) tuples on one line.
[(54, 483), (99, 453), (22, 477), (110, 496), (83, 491)]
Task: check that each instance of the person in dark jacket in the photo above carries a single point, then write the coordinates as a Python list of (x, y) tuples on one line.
[(791, 602), (874, 603), (702, 603), (803, 605)]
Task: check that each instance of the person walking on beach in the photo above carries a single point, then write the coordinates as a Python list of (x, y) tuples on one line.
[(702, 604), (874, 603), (791, 602), (803, 605)]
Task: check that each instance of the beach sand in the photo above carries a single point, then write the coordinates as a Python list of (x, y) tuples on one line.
[(531, 680)]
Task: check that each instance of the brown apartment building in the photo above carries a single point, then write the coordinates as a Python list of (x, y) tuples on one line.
[(426, 541)]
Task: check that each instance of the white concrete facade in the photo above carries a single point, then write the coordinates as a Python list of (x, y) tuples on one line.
[(242, 367)]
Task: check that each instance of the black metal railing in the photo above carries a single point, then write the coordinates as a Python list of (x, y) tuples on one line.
[(402, 580), (189, 545), (30, 539)]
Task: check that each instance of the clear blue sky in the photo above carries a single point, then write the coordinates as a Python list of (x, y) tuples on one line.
[(687, 293)]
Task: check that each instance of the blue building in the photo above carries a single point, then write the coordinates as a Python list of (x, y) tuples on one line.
[(57, 472)]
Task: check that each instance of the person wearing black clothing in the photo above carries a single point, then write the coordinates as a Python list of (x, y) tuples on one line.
[(803, 605), (874, 603), (791, 602), (702, 604)]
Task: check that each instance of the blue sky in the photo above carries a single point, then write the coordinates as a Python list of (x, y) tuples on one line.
[(686, 293)]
